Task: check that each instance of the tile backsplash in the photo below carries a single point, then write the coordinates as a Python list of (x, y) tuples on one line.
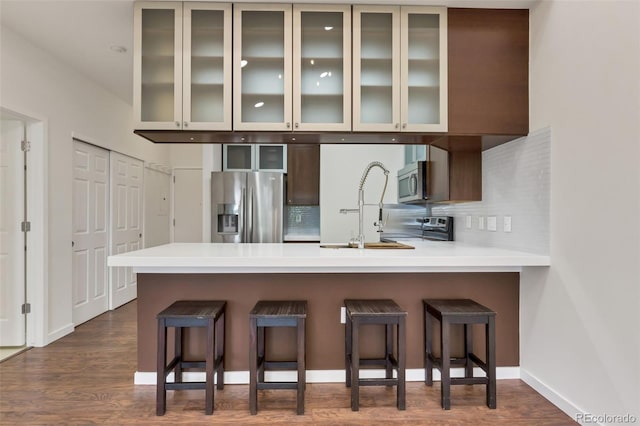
[(516, 180), (302, 221)]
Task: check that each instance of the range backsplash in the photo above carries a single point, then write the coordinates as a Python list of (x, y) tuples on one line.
[(516, 180), (302, 221)]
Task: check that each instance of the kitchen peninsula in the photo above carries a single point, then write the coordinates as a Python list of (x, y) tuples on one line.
[(241, 274)]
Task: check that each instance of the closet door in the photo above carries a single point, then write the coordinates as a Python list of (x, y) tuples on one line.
[(126, 222), (90, 231)]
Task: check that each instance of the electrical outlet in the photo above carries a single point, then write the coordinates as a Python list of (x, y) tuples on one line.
[(481, 223), (343, 315), (507, 224), (492, 223), (468, 222)]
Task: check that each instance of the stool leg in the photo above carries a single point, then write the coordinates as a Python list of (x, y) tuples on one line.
[(261, 353), (347, 350), (160, 368), (220, 351), (388, 335), (445, 389), (209, 364), (402, 359), (253, 366), (177, 344), (468, 349), (428, 336), (490, 330), (355, 365), (302, 379)]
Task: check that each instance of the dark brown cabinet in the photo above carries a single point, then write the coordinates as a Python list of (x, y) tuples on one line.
[(488, 72), (303, 174)]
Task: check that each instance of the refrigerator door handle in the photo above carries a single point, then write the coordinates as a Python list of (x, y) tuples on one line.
[(243, 201), (249, 216)]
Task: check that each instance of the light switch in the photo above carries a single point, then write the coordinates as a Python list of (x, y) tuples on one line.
[(481, 223), (492, 223), (507, 224), (468, 222), (343, 315)]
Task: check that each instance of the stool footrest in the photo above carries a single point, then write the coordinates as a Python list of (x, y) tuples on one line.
[(277, 385), (193, 364), (469, 380), (279, 365), (378, 382), (185, 385)]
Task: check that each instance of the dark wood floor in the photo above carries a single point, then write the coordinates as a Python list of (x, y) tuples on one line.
[(87, 378)]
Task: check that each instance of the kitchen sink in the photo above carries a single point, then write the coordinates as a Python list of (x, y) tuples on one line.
[(379, 245)]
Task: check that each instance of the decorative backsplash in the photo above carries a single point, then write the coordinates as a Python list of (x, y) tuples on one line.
[(302, 221), (516, 180)]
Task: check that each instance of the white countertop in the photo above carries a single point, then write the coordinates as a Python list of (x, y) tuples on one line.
[(428, 256)]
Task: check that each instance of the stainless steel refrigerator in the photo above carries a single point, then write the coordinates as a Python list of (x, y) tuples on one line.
[(246, 207)]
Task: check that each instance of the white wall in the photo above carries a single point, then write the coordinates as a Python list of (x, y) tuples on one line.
[(341, 167), (580, 321), (34, 83)]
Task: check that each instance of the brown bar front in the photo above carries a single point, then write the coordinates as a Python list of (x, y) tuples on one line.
[(325, 294)]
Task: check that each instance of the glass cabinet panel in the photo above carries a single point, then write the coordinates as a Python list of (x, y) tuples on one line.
[(376, 68), (424, 69), (254, 157), (238, 157), (158, 79), (321, 59), (262, 61), (206, 68)]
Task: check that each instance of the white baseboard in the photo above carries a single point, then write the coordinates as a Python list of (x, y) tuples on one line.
[(59, 333), (554, 397), (322, 376)]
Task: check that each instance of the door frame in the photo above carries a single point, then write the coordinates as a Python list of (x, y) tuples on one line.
[(37, 250)]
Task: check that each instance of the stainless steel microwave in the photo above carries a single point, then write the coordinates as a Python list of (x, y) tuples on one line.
[(412, 184)]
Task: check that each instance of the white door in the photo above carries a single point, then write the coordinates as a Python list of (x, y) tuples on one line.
[(126, 222), (90, 231), (187, 205), (12, 284)]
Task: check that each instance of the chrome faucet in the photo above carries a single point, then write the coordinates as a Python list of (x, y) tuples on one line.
[(360, 238)]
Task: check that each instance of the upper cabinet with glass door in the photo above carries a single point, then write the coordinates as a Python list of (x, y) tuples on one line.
[(262, 67), (182, 66), (400, 69), (322, 67)]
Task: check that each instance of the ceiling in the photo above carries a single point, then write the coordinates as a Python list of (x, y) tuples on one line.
[(81, 33)]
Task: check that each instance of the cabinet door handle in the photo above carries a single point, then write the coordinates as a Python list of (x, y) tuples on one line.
[(404, 125), (288, 125), (186, 124), (177, 124), (397, 125), (296, 125)]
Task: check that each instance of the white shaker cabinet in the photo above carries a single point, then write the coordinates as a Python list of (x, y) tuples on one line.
[(399, 68), (182, 66)]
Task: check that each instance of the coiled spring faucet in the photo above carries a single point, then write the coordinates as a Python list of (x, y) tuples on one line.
[(365, 174)]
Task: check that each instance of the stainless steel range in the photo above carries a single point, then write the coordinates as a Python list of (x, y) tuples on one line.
[(401, 225)]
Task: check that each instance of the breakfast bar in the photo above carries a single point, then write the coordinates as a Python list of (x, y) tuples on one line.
[(242, 274)]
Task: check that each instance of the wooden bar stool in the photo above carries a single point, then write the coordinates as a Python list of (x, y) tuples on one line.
[(190, 313), (466, 312), (276, 314), (389, 314)]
